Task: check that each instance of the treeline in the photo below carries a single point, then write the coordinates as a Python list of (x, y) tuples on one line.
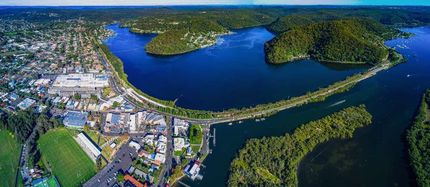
[(342, 41), (27, 127), (418, 138), (273, 161), (398, 17)]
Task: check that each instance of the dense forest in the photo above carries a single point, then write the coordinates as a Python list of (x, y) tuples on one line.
[(395, 16), (345, 41), (418, 138), (273, 161)]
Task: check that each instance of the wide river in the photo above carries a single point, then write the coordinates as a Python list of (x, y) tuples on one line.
[(232, 73), (377, 154)]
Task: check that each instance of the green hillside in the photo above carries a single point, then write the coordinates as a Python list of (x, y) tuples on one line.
[(191, 35), (342, 41)]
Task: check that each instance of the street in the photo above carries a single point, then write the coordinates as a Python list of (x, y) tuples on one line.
[(107, 176)]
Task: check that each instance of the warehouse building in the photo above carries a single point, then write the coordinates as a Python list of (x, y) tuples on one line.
[(92, 150)]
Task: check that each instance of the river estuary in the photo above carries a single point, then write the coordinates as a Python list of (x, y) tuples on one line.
[(233, 74)]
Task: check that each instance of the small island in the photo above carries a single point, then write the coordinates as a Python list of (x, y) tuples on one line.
[(273, 161), (355, 40), (418, 138)]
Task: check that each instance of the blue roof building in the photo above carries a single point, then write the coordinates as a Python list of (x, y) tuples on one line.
[(74, 119)]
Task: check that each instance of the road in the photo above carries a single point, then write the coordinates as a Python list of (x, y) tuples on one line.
[(136, 97), (107, 177), (169, 154)]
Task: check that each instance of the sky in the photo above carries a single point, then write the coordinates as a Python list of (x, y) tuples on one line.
[(209, 2)]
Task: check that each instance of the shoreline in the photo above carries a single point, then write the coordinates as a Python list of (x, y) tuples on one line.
[(234, 114)]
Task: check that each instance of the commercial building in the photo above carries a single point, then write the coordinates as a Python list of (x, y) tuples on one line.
[(92, 150), (74, 119), (84, 84)]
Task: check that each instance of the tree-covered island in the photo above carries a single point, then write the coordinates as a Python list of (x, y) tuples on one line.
[(273, 161)]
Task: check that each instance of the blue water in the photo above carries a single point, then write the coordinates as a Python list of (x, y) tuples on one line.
[(376, 156), (230, 74)]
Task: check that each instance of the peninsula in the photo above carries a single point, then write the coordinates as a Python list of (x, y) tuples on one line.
[(418, 138), (273, 161), (357, 41)]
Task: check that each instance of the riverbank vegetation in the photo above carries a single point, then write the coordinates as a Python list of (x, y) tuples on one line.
[(273, 161), (418, 138), (347, 28), (167, 106), (343, 41)]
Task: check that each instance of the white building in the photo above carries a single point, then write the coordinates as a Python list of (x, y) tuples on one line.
[(84, 84), (160, 157), (134, 145), (161, 147), (180, 126), (179, 144), (88, 146)]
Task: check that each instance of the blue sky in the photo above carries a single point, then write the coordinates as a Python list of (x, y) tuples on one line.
[(213, 2)]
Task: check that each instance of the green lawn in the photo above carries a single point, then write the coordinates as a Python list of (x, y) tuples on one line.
[(196, 134), (9, 158), (68, 162)]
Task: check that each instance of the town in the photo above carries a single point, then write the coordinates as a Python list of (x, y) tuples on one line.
[(58, 73)]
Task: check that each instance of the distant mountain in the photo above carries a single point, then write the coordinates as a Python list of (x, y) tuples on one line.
[(342, 41)]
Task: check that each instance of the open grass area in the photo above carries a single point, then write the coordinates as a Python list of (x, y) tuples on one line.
[(9, 158), (67, 161), (196, 134)]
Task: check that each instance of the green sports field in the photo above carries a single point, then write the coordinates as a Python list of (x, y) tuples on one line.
[(9, 158), (68, 162)]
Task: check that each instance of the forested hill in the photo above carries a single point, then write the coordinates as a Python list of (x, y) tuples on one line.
[(344, 41), (193, 35), (273, 161), (181, 32)]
